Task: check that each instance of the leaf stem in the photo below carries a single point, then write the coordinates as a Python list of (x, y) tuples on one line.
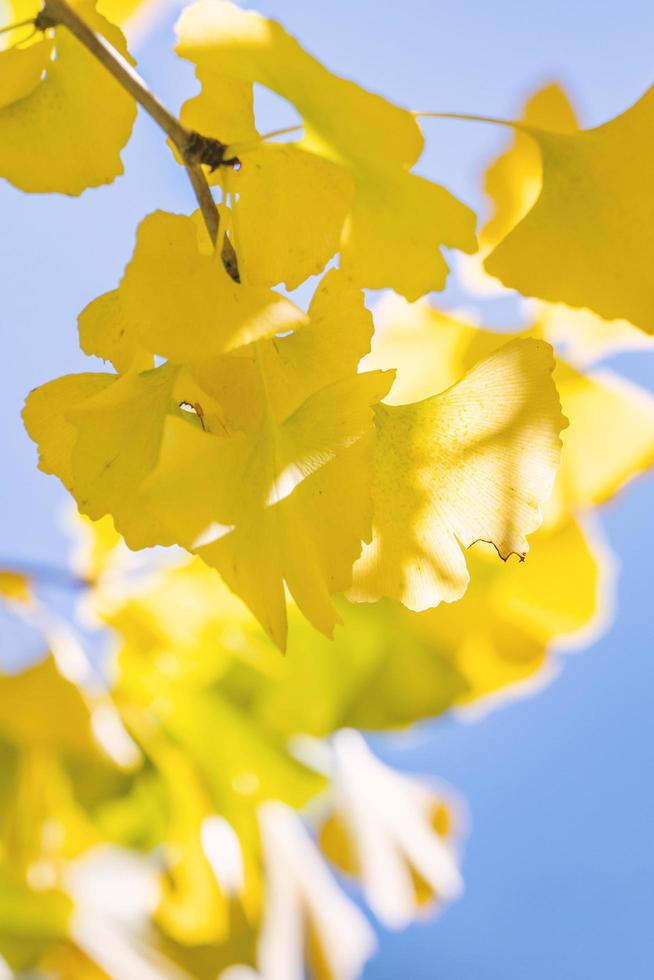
[(188, 144), (467, 117), (240, 148), (14, 27)]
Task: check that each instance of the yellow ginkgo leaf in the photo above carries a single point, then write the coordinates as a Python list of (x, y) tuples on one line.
[(39, 707), (389, 824), (514, 180), (224, 105), (307, 917), (119, 433), (21, 67), (45, 418), (559, 592), (588, 239), (101, 435), (610, 437), (497, 637), (294, 366), (427, 348), (280, 234), (68, 132), (184, 302), (119, 11), (136, 18), (474, 463), (288, 503), (388, 667), (398, 220), (105, 330)]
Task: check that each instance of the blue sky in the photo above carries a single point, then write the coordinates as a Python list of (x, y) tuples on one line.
[(560, 863)]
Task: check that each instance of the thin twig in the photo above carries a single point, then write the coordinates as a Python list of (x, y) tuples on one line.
[(204, 199), (188, 144)]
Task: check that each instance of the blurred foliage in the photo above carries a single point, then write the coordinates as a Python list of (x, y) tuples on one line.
[(203, 723)]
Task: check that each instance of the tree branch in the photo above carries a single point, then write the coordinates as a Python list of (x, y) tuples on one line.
[(193, 148)]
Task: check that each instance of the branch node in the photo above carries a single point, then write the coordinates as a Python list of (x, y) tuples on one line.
[(208, 151), (44, 21)]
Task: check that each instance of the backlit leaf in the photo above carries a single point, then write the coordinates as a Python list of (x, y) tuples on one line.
[(587, 240), (288, 503), (514, 180), (610, 438), (474, 463), (281, 234), (185, 304), (105, 330)]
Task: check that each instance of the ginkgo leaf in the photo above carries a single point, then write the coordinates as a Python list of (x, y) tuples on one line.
[(388, 667), (398, 832), (498, 635), (428, 349), (276, 189), (118, 11), (330, 347), (298, 481), (474, 463), (101, 434), (225, 105), (514, 180), (391, 232), (587, 240), (185, 304), (45, 418), (289, 502), (398, 220), (119, 433), (68, 133), (307, 916), (21, 67), (377, 671), (39, 706), (136, 18), (610, 437), (557, 595), (105, 330)]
